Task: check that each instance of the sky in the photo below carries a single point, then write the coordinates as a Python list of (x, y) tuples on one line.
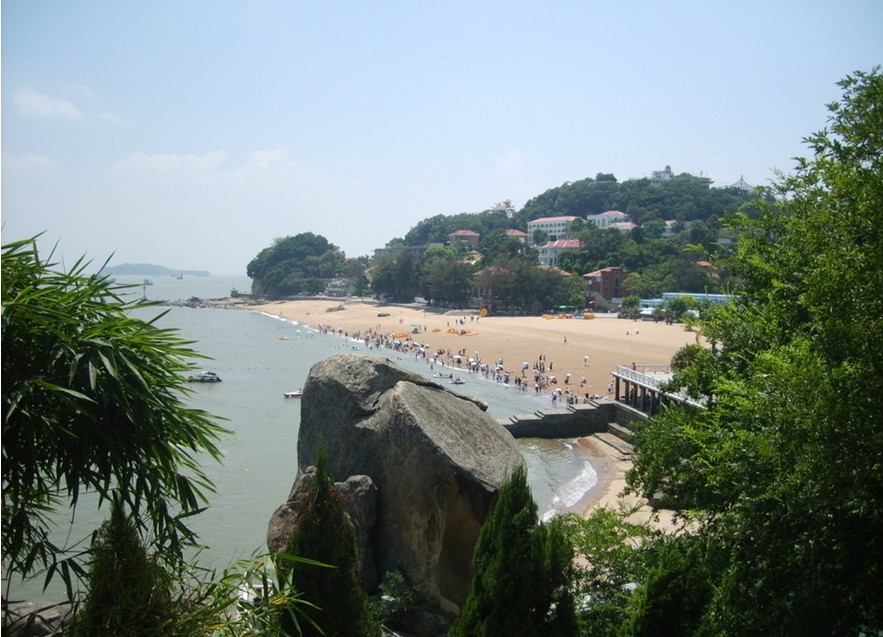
[(193, 134)]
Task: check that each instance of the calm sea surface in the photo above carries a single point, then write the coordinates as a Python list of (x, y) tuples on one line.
[(259, 357)]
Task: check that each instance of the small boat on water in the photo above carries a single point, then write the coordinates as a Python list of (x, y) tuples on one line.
[(204, 377), (294, 394), (458, 381)]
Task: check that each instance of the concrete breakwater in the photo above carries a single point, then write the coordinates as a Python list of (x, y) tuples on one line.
[(574, 421)]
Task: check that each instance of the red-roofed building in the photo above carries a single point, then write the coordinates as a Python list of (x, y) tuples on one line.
[(554, 227), (550, 253), (518, 234), (607, 283), (623, 226), (467, 237)]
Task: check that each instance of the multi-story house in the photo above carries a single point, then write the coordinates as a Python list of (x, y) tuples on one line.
[(554, 227), (607, 283), (550, 253), (607, 219)]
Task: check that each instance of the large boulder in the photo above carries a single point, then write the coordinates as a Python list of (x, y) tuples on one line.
[(436, 458)]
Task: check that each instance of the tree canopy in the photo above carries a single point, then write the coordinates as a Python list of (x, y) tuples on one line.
[(302, 263), (523, 570), (783, 466), (324, 533)]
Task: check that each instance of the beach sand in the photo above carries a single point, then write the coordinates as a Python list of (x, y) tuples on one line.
[(581, 348)]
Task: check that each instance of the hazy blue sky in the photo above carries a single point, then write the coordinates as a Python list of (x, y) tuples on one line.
[(192, 133)]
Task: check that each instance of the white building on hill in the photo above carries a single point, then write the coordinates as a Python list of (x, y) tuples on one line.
[(554, 227), (607, 219)]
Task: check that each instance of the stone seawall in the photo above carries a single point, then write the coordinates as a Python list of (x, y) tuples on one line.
[(568, 422)]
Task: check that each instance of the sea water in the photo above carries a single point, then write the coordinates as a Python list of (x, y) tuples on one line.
[(260, 357)]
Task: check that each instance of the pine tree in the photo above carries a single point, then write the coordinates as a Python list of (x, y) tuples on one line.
[(522, 572), (129, 593), (325, 534)]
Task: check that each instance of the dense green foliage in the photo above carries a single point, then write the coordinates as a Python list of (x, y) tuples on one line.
[(513, 285), (394, 278), (324, 533), (784, 466), (92, 401), (685, 198), (444, 278), (437, 228), (523, 571), (292, 265), (658, 260), (129, 593)]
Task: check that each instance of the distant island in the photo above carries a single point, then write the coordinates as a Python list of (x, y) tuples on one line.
[(149, 269)]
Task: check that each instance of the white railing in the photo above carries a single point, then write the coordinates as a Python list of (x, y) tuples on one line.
[(649, 375)]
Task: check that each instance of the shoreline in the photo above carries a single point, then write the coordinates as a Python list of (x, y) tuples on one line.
[(580, 354)]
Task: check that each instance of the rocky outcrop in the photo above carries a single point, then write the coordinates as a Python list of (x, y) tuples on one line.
[(36, 619), (360, 503), (436, 458)]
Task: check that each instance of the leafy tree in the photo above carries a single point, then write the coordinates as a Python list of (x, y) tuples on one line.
[(516, 285), (324, 533), (444, 279), (395, 277), (784, 464), (612, 562), (354, 270), (498, 245), (92, 401), (294, 264), (405, 278), (383, 277), (523, 572), (577, 225), (631, 305), (437, 228), (675, 592)]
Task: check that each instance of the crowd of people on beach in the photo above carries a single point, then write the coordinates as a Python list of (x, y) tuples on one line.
[(536, 376)]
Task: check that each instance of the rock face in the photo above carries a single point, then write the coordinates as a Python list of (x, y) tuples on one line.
[(360, 503), (436, 458)]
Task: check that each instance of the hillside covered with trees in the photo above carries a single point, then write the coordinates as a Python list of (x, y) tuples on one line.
[(424, 263)]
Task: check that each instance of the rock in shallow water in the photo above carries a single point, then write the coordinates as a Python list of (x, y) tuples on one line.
[(436, 458)]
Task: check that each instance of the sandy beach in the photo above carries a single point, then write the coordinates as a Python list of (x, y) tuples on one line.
[(589, 349)]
